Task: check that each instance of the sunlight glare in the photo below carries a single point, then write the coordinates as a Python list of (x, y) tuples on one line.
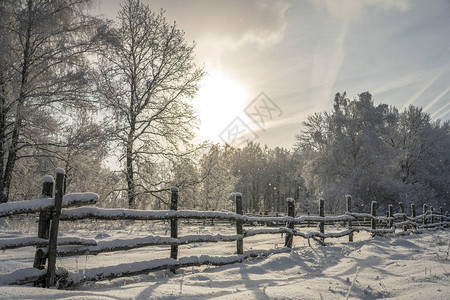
[(219, 100)]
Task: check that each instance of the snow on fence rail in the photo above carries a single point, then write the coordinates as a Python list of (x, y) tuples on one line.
[(47, 240), (42, 204), (13, 243)]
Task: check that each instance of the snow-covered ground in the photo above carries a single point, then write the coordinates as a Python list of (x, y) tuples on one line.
[(408, 267)]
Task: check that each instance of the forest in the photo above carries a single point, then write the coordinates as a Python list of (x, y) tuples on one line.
[(111, 103)]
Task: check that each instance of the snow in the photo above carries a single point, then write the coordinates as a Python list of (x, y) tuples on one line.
[(91, 212), (27, 276), (127, 244), (22, 275), (29, 206), (79, 197), (158, 264), (406, 267), (22, 242), (47, 178), (88, 212), (11, 243), (174, 189), (60, 171)]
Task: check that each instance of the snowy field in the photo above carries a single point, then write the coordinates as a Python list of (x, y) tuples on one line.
[(409, 267)]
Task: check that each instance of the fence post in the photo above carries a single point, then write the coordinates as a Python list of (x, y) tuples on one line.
[(53, 239), (239, 242), (349, 209), (174, 222), (425, 209), (290, 203), (402, 210), (432, 212), (322, 214), (447, 215), (390, 213), (441, 212), (413, 214), (44, 221), (373, 212)]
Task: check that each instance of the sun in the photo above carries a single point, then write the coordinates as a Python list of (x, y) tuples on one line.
[(218, 102)]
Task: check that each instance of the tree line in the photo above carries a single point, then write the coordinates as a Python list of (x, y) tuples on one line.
[(110, 101), (375, 153), (372, 152)]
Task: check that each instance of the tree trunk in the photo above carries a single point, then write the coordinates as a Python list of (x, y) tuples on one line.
[(13, 148), (130, 172), (2, 130)]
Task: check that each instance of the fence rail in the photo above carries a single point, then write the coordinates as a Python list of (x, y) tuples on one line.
[(46, 204), (51, 213)]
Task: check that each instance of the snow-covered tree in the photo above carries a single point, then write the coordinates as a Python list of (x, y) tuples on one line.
[(218, 184), (424, 157), (43, 71), (373, 152), (146, 77)]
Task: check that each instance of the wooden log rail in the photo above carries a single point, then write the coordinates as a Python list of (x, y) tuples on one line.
[(49, 210), (131, 269), (13, 243), (239, 218), (46, 204), (51, 213), (129, 244), (121, 214), (83, 213), (146, 215)]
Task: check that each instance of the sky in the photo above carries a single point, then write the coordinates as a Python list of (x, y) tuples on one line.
[(271, 63)]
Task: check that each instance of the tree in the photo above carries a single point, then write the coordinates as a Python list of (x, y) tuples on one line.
[(187, 179), (249, 165), (146, 75), (347, 153), (281, 179), (83, 152), (218, 182), (6, 76), (373, 152), (424, 157), (43, 70)]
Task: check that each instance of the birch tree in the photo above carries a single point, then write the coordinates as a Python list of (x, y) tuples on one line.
[(147, 75)]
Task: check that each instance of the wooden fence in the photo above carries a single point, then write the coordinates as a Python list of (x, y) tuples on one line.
[(51, 213)]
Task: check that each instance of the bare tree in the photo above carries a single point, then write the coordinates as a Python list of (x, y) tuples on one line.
[(147, 74)]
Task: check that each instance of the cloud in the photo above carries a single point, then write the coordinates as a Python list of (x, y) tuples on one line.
[(438, 114), (230, 23), (426, 86), (327, 61), (354, 8), (435, 100)]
